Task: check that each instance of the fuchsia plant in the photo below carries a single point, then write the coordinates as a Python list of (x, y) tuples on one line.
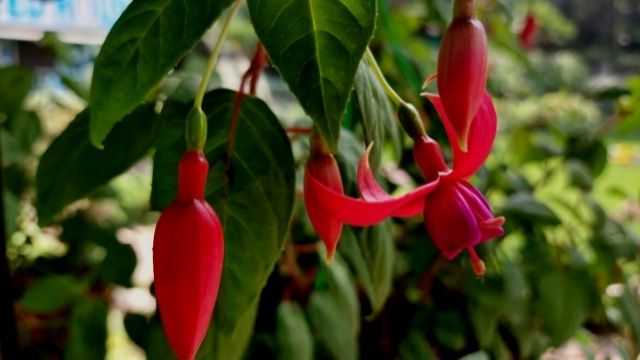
[(456, 215)]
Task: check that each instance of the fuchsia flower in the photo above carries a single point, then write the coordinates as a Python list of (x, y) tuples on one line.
[(322, 167), (527, 35), (462, 70), (457, 216), (188, 252)]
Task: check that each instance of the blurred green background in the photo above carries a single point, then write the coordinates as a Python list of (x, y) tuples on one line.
[(563, 283)]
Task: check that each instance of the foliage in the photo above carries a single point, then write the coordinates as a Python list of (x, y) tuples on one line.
[(566, 269)]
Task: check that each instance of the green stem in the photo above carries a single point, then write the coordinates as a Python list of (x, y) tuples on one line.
[(215, 53), (392, 94)]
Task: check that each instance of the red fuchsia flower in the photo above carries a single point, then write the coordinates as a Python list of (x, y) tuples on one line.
[(188, 249), (528, 33), (462, 69), (322, 167), (457, 216)]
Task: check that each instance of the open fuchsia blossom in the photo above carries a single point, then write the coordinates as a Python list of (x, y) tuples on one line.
[(456, 215), (188, 249)]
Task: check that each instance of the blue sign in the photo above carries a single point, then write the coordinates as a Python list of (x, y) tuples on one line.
[(79, 18)]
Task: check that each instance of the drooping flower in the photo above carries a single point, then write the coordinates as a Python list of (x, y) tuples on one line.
[(323, 167), (456, 215), (462, 69), (528, 33), (188, 249)]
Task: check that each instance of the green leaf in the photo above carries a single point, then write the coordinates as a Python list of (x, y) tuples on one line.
[(15, 83), (253, 200), (449, 329), (630, 307), (25, 128), (484, 322), (316, 46), (148, 39), (71, 167), (157, 345), (378, 118), (479, 355), (416, 347), (226, 345), (526, 208), (137, 327), (119, 264), (350, 149), (88, 331), (564, 303), (51, 293), (371, 257), (292, 333), (334, 312), (580, 174)]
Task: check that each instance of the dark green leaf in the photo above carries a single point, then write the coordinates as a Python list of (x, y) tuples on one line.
[(225, 345), (479, 355), (592, 153), (71, 167), (484, 322), (371, 257), (292, 333), (317, 47), (88, 331), (378, 118), (148, 39), (119, 264), (25, 128), (137, 327), (334, 313), (15, 83), (580, 175), (564, 303), (11, 211), (157, 345), (254, 200), (526, 208), (416, 347), (350, 149), (51, 293), (449, 329), (630, 307)]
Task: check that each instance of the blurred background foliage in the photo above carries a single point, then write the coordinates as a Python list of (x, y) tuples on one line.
[(564, 282)]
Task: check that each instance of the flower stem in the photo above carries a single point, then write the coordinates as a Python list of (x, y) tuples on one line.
[(464, 9), (215, 53), (392, 94)]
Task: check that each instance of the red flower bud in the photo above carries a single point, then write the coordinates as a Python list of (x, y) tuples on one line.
[(322, 166), (462, 74), (528, 32), (188, 249), (428, 156)]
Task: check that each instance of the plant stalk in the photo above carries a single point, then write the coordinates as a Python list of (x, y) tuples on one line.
[(215, 53), (391, 93)]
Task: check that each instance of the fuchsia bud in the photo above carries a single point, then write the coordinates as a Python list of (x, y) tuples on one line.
[(188, 249), (322, 166), (428, 156), (528, 33), (462, 69)]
